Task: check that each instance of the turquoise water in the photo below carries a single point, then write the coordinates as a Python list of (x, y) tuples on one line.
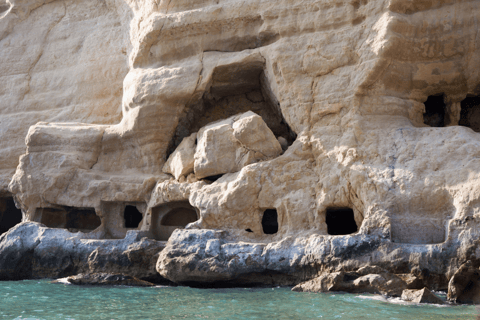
[(44, 300)]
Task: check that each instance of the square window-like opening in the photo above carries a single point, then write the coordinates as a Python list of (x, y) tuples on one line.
[(341, 221)]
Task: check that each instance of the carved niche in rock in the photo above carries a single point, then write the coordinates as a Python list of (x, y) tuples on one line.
[(168, 217), (73, 219)]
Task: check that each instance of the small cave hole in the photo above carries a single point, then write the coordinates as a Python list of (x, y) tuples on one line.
[(341, 221), (470, 113), (171, 216), (10, 216), (270, 221), (213, 178), (132, 217), (234, 89), (248, 230), (434, 115)]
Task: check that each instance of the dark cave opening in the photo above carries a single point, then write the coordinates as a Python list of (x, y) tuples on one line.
[(82, 219), (435, 107), (234, 89), (340, 221), (132, 217), (10, 215), (470, 113), (270, 221), (71, 218), (168, 217)]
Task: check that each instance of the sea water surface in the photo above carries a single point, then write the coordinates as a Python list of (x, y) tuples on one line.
[(33, 299)]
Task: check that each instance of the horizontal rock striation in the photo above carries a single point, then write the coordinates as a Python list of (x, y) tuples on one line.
[(284, 139)]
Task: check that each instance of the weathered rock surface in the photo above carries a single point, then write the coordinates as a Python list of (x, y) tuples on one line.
[(421, 296), (464, 286), (32, 251), (107, 279), (181, 161), (229, 145), (371, 279), (373, 103)]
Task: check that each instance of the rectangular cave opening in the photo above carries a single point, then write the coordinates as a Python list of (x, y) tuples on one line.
[(435, 107), (270, 221), (10, 215), (132, 217), (168, 217), (341, 221), (470, 113), (71, 218)]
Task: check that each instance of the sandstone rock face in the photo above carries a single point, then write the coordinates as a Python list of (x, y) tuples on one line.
[(181, 161), (464, 286), (421, 296), (346, 134), (229, 145)]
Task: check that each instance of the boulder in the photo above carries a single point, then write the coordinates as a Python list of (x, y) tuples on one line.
[(464, 286), (421, 296), (107, 279), (180, 162), (360, 281), (324, 283), (229, 145)]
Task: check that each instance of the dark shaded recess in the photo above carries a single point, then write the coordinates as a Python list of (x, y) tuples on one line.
[(179, 217), (470, 113), (434, 115), (213, 178), (248, 230), (84, 219), (270, 221), (340, 221), (10, 216), (234, 89), (132, 217)]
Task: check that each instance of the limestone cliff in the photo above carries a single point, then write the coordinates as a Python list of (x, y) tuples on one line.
[(288, 137)]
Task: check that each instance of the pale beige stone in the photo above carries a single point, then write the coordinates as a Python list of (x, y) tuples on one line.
[(181, 161), (95, 93), (229, 145), (421, 296)]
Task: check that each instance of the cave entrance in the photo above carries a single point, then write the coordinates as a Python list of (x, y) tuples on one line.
[(10, 216), (435, 107), (270, 221), (132, 217), (71, 218), (234, 89), (171, 216), (470, 113), (341, 221)]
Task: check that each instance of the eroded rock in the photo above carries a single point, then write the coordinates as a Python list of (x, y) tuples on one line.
[(464, 286), (421, 296), (371, 279), (229, 145), (107, 279), (181, 161)]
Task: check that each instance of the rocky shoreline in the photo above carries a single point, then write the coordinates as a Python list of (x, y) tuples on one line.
[(205, 258)]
